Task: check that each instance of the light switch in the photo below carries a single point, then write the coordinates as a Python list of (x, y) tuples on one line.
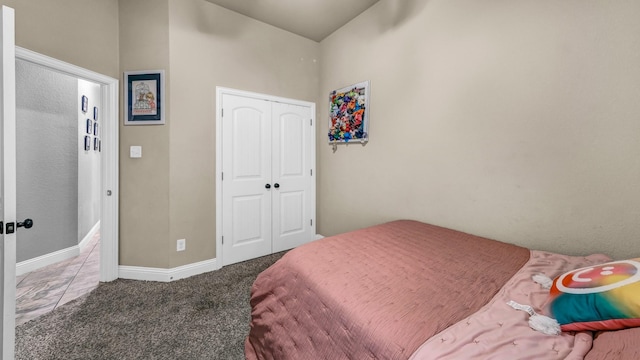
[(135, 152)]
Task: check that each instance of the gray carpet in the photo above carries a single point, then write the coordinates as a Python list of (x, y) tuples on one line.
[(202, 317)]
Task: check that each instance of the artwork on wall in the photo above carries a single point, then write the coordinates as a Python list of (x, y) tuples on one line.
[(84, 104), (95, 129), (87, 143), (349, 114), (95, 113), (89, 126), (144, 97), (95, 143)]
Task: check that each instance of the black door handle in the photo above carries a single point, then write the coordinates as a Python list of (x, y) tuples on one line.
[(27, 224), (276, 185), (268, 186)]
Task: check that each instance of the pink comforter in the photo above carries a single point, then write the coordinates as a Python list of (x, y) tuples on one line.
[(376, 293), (619, 345), (497, 331)]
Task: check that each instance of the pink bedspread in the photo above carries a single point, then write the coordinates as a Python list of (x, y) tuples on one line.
[(497, 331), (619, 345), (376, 293)]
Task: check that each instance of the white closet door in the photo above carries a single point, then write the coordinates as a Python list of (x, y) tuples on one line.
[(246, 203), (292, 191)]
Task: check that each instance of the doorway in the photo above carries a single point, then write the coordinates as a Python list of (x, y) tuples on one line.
[(105, 94), (58, 187)]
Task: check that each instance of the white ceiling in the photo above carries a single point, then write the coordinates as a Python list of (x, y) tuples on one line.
[(313, 19)]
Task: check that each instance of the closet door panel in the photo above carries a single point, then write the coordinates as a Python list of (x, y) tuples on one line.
[(292, 146), (247, 137), (291, 171), (291, 215), (246, 203)]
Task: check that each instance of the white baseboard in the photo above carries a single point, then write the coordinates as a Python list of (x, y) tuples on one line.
[(39, 262), (85, 241), (166, 275)]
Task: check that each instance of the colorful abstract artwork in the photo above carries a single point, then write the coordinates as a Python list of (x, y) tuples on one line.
[(348, 114)]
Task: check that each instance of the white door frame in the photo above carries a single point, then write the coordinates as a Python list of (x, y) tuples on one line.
[(219, 92), (109, 168)]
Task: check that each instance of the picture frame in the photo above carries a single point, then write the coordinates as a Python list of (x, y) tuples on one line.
[(95, 129), (95, 113), (89, 126), (349, 114), (87, 143), (84, 104), (95, 143), (144, 100)]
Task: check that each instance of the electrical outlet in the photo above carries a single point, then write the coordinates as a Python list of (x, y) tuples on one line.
[(181, 245)]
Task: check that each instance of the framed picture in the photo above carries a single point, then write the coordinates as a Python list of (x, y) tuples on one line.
[(349, 114), (87, 143), (144, 97), (95, 129), (89, 126), (85, 104), (95, 113), (95, 143), (99, 145)]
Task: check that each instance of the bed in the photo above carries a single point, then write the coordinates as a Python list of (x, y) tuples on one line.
[(410, 290)]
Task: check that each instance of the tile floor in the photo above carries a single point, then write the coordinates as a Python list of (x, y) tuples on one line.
[(42, 290)]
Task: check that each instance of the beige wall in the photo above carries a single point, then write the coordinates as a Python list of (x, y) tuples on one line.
[(212, 46), (144, 182), (80, 32), (515, 120)]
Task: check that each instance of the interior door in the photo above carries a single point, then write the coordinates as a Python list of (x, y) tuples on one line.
[(292, 218), (8, 179), (246, 171)]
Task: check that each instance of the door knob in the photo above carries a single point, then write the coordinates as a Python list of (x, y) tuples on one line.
[(276, 185), (268, 186), (27, 224)]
